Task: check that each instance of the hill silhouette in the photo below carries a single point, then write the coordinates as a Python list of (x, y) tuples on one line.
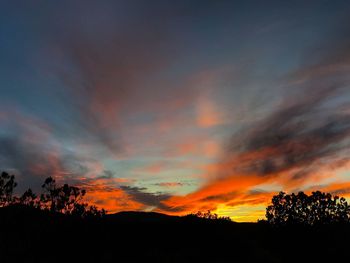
[(59, 226), (141, 217), (33, 235)]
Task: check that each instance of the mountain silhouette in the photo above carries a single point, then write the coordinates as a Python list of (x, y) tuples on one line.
[(141, 217), (60, 227), (34, 235)]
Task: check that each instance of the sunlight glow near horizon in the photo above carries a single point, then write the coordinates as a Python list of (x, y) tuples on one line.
[(242, 213)]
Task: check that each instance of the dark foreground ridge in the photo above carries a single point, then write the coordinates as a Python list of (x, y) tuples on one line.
[(33, 235)]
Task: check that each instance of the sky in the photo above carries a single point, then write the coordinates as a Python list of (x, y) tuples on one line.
[(177, 106)]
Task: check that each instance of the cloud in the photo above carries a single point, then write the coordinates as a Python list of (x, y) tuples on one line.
[(119, 71), (30, 150), (291, 144), (153, 200), (105, 191), (208, 113), (107, 174), (170, 184), (27, 148), (308, 133), (297, 136), (154, 168), (117, 194)]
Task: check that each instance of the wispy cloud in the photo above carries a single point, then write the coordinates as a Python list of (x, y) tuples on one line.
[(307, 133)]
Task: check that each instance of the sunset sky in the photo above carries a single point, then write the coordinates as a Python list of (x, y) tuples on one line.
[(177, 106)]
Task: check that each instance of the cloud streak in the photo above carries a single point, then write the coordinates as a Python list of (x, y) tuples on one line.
[(118, 72), (308, 132)]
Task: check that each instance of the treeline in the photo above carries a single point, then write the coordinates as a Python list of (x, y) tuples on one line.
[(301, 209), (65, 199), (209, 215)]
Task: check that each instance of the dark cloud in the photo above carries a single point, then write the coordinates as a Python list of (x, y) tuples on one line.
[(140, 195), (311, 126), (220, 198), (30, 151), (30, 164), (107, 174), (296, 136)]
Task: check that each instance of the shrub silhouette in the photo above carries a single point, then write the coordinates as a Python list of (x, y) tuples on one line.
[(317, 208), (7, 185), (209, 215), (65, 199), (29, 199), (93, 211)]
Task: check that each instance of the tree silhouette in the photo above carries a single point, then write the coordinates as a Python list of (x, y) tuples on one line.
[(29, 199), (49, 197), (93, 211), (318, 208), (207, 215), (65, 199), (7, 185)]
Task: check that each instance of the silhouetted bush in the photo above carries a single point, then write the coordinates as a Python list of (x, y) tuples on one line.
[(209, 215), (7, 185), (29, 199), (64, 199), (317, 208)]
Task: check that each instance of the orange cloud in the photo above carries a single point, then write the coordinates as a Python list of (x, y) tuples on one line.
[(199, 146), (212, 194), (208, 114), (112, 200), (105, 193)]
